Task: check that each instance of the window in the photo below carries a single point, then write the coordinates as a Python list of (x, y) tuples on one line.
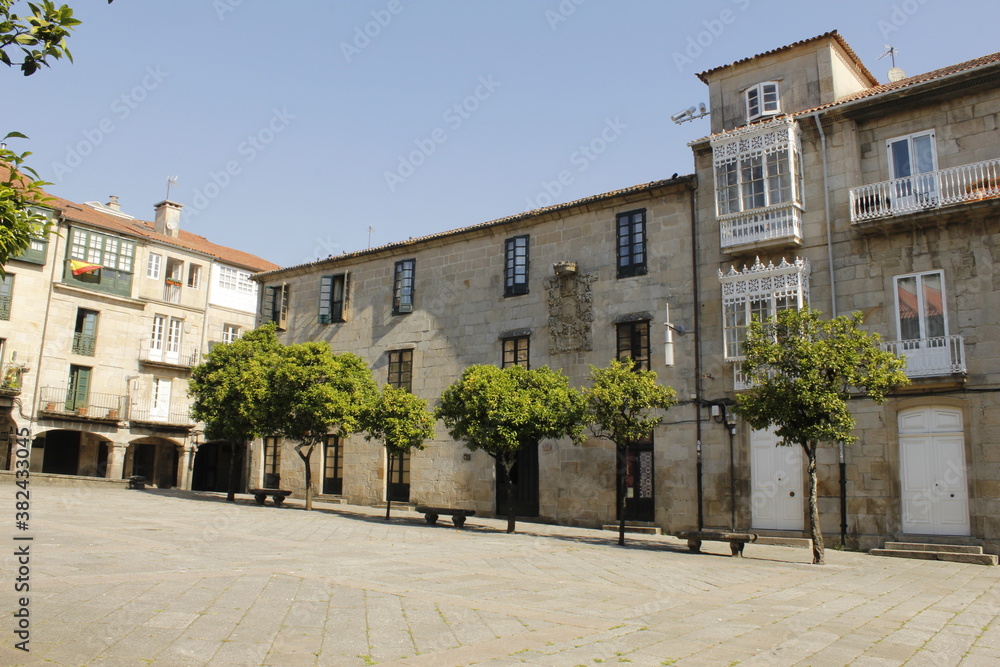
[(920, 307), (272, 463), (402, 286), (515, 352), (632, 244), (6, 295), (230, 332), (156, 338), (515, 268), (333, 467), (912, 163), (159, 406), (275, 306), (174, 332), (762, 100), (759, 291), (38, 246), (79, 388), (332, 296), (85, 333), (757, 167), (235, 280), (401, 369), (153, 265), (633, 343), (194, 276), (100, 262)]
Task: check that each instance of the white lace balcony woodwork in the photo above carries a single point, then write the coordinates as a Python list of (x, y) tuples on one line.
[(930, 357), (928, 191), (758, 185)]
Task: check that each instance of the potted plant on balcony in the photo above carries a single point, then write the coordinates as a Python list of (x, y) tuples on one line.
[(173, 282)]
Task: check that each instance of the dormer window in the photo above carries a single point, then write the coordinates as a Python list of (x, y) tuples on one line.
[(762, 100)]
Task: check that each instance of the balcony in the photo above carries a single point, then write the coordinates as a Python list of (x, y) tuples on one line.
[(163, 354), (930, 357), (930, 191), (172, 291), (61, 402), (771, 226), (10, 379), (84, 344), (148, 411)]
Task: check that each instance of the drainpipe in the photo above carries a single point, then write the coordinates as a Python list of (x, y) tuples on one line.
[(833, 313), (697, 349)]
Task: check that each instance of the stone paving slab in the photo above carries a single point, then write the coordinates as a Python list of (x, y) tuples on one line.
[(177, 578)]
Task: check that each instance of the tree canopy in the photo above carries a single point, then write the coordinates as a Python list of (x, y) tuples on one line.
[(401, 421), (622, 407), (314, 392), (230, 388), (29, 40), (499, 411), (802, 371)]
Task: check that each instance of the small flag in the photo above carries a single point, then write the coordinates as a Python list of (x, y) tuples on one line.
[(79, 267)]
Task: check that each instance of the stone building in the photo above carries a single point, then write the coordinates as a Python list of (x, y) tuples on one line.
[(102, 324), (817, 186)]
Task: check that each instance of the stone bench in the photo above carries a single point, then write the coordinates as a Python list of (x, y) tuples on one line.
[(277, 496), (736, 540), (431, 514), (137, 482)]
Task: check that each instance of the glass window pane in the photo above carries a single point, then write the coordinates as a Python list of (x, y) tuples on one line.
[(906, 300)]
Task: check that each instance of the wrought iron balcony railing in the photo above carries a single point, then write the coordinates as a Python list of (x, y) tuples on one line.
[(772, 225), (928, 357), (84, 344), (63, 401), (11, 378), (928, 191)]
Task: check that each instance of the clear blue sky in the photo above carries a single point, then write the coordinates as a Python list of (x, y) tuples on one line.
[(282, 120)]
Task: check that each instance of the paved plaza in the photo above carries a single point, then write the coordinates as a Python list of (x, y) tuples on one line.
[(174, 578)]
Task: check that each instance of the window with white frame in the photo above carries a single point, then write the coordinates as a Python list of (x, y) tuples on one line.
[(235, 280), (762, 100), (759, 291), (108, 251), (154, 264), (757, 167), (920, 306), (912, 167), (230, 332), (194, 276)]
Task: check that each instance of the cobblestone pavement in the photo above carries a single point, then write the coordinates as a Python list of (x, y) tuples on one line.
[(172, 578)]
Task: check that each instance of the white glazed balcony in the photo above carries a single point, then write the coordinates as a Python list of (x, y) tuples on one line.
[(929, 357), (928, 191), (776, 225)]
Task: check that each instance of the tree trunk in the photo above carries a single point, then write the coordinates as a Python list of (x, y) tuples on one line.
[(388, 486), (508, 464), (622, 470), (305, 460), (814, 527), (235, 453)]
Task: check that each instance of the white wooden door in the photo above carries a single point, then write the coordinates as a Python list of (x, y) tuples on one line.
[(776, 484), (935, 492), (159, 408)]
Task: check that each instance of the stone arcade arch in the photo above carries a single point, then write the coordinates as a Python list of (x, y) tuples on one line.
[(156, 458)]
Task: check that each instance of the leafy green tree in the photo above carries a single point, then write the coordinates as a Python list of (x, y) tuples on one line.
[(401, 421), (231, 392), (500, 411), (621, 405), (37, 37), (314, 392), (802, 370)]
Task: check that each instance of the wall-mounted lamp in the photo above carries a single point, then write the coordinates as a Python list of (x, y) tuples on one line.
[(668, 344), (691, 113)]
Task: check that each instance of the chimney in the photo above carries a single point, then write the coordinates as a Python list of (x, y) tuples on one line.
[(113, 203), (168, 217)]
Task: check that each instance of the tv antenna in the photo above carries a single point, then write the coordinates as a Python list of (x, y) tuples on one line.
[(890, 51), (171, 180)]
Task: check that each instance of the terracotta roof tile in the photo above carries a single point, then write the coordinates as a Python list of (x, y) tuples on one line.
[(652, 185)]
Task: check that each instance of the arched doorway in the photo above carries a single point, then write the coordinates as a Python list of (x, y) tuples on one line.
[(65, 452), (211, 468), (933, 486), (154, 458)]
